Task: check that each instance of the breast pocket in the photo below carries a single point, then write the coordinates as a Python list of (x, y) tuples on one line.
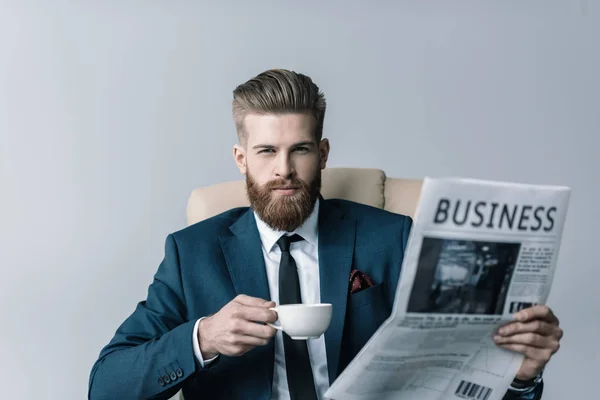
[(367, 296)]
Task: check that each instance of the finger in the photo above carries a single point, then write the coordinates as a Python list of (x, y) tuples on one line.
[(537, 326), (536, 312), (533, 353), (253, 301), (529, 339), (252, 329), (256, 314)]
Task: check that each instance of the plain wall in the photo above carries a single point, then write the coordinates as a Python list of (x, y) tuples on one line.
[(111, 112)]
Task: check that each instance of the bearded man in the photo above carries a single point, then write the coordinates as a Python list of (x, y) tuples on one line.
[(204, 326)]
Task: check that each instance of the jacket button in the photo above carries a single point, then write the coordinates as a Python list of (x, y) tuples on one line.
[(161, 382), (167, 379), (179, 372), (173, 376)]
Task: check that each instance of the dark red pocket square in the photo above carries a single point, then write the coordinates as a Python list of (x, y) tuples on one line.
[(359, 281)]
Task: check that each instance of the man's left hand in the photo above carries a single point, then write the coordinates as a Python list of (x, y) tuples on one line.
[(534, 333)]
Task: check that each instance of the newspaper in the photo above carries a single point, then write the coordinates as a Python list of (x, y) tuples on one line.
[(479, 251)]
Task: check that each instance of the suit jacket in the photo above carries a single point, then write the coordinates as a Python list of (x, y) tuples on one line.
[(207, 264)]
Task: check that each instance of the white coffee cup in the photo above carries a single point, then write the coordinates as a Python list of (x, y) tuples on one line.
[(303, 321)]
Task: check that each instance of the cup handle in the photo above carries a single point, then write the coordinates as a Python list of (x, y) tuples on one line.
[(279, 328)]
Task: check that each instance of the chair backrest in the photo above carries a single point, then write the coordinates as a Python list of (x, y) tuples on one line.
[(362, 185), (402, 195)]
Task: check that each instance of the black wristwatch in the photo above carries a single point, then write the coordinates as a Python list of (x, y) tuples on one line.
[(524, 385)]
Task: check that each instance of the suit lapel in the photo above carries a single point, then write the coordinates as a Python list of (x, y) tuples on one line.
[(336, 249), (246, 264), (245, 259)]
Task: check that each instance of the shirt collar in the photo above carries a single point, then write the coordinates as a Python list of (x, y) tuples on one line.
[(308, 230)]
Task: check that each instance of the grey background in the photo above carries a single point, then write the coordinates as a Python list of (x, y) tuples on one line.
[(111, 112)]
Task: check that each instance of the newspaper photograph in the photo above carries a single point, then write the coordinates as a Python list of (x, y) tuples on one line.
[(479, 251)]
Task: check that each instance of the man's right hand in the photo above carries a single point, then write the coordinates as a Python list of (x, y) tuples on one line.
[(237, 328)]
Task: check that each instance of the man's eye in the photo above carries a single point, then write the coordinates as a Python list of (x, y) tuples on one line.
[(266, 151), (301, 149)]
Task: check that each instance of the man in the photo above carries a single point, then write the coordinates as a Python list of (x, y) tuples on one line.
[(203, 325)]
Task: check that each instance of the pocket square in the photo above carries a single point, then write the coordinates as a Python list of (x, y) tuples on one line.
[(359, 281)]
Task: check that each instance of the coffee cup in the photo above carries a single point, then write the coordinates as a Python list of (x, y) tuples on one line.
[(303, 321)]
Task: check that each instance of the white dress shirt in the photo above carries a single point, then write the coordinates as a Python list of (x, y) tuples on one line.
[(306, 255)]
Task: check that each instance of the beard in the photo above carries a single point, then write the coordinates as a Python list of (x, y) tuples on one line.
[(283, 213)]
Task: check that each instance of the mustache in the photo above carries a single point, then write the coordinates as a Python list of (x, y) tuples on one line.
[(294, 182)]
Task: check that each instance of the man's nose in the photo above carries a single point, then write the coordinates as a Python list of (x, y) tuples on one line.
[(284, 168)]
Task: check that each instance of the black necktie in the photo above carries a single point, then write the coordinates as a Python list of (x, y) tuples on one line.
[(297, 361)]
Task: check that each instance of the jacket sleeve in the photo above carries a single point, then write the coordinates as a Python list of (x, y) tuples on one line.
[(535, 394), (151, 353)]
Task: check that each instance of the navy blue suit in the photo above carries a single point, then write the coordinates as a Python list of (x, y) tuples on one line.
[(207, 264)]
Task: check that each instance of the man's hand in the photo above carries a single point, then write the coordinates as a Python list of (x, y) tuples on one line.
[(236, 328), (536, 334)]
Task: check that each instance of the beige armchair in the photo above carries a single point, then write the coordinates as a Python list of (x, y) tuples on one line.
[(367, 186)]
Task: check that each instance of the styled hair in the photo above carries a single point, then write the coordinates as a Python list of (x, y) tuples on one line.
[(276, 92)]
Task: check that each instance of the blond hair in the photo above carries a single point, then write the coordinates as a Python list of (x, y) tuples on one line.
[(278, 91)]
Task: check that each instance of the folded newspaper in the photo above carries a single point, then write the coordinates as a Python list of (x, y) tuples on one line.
[(479, 251)]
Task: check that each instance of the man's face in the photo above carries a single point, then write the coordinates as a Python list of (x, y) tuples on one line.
[(282, 163)]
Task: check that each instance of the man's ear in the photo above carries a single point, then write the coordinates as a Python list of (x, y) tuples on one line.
[(239, 155), (323, 153)]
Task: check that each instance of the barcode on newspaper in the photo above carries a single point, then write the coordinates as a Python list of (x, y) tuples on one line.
[(470, 390)]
